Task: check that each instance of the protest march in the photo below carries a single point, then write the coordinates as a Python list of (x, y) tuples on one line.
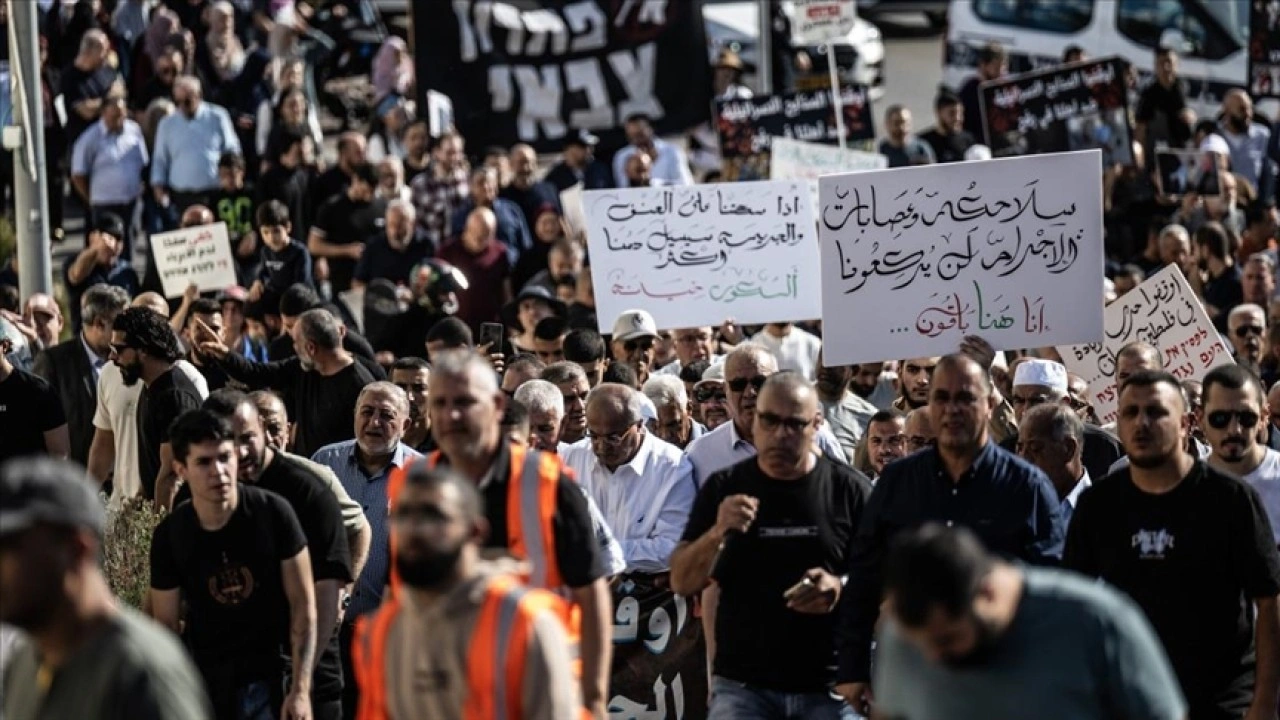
[(639, 360)]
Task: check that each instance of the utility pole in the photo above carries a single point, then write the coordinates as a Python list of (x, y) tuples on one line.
[(764, 42), (25, 138)]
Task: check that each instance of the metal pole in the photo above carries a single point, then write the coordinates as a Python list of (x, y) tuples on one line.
[(31, 201), (764, 41), (835, 90)]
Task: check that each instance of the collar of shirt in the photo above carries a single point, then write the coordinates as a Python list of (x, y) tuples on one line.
[(397, 460), (1073, 497), (735, 440), (95, 361), (636, 464), (983, 464)]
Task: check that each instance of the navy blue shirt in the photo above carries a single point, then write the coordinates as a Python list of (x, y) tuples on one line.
[(280, 270), (1009, 503), (121, 275), (380, 260)]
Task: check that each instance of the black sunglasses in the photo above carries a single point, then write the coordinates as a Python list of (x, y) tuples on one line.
[(770, 421), (740, 384), (640, 344), (1246, 330), (1220, 419), (706, 394)]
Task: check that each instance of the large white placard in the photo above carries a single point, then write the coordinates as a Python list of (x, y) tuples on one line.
[(200, 255), (697, 255), (914, 259), (1163, 311), (796, 160)]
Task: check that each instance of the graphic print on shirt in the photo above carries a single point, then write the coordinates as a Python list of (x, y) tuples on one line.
[(1152, 544), (232, 583)]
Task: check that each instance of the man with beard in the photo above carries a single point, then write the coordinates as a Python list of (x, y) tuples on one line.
[(966, 632), (323, 380), (145, 348), (411, 374), (554, 533), (691, 345), (1247, 139), (635, 337), (1168, 518), (334, 564), (710, 398), (85, 655), (342, 227), (572, 383), (674, 423), (1234, 409), (885, 441), (872, 383), (393, 254), (965, 479), (432, 651), (774, 533), (913, 383), (363, 466), (846, 413), (525, 190), (1246, 326), (238, 558), (1259, 279)]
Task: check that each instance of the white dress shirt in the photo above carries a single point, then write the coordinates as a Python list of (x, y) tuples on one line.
[(724, 447), (646, 502), (796, 351), (669, 168), (1073, 498), (1266, 480)]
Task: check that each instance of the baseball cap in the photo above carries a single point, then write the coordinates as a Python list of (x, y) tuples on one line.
[(713, 373), (111, 224), (633, 324), (583, 138), (44, 490)]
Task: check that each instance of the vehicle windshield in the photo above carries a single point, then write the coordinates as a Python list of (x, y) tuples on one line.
[(1233, 15)]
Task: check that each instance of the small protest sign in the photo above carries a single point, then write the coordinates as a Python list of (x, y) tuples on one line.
[(748, 126), (696, 255), (1163, 311), (819, 21), (914, 259), (795, 160), (200, 255), (1264, 49), (1080, 106)]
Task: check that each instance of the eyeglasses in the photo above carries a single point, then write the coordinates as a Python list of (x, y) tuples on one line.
[(645, 344), (1028, 401), (1245, 331), (919, 442), (770, 421), (1220, 419), (614, 438), (740, 384), (706, 395)]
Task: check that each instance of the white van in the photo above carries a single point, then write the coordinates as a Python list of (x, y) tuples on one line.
[(1035, 34)]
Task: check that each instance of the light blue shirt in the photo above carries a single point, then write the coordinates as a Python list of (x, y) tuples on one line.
[(371, 493), (1247, 150), (113, 163), (724, 447), (187, 150)]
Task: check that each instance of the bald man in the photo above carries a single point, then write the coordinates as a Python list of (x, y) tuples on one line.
[(487, 265), (188, 146), (1247, 139)]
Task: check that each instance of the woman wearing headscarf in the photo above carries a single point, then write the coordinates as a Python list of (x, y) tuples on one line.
[(222, 57), (392, 70)]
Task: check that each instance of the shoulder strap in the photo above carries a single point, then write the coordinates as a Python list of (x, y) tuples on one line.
[(369, 659), (531, 509)]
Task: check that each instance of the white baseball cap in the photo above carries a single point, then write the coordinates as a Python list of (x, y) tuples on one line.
[(633, 324)]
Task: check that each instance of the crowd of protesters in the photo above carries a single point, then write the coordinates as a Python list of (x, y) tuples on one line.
[(393, 511)]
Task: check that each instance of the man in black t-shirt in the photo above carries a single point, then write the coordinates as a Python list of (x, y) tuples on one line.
[(85, 84), (321, 519), (31, 417), (344, 224), (1193, 547), (774, 533), (144, 348), (237, 557), (1162, 115), (394, 253), (947, 138)]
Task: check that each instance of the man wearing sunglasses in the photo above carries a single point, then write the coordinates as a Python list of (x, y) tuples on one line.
[(635, 338), (709, 397), (1234, 410), (1190, 544), (1247, 329)]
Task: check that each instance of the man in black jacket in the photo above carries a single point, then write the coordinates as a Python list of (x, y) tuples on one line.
[(72, 366)]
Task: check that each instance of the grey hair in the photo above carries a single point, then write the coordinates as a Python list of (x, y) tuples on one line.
[(102, 301), (1262, 259), (752, 352), (94, 40), (191, 83), (1246, 309), (405, 207), (541, 396), (564, 372), (322, 328), (666, 390), (1058, 421), (1177, 231), (464, 363), (621, 397), (386, 389)]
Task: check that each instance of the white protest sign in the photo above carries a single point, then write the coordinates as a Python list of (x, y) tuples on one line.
[(571, 206), (696, 255), (915, 259), (795, 160), (818, 21), (200, 255), (1164, 312)]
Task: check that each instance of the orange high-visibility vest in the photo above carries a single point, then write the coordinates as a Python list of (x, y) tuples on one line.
[(531, 509), (495, 655)]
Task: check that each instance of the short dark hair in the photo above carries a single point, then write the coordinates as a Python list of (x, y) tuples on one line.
[(452, 332), (1151, 378), (1232, 377), (202, 306), (366, 173), (945, 98), (623, 374), (551, 327), (526, 360), (960, 361), (1258, 212), (1213, 237), (1162, 50), (638, 117), (225, 402), (934, 566), (516, 414), (1140, 348), (149, 332), (231, 161), (1071, 50), (493, 151), (272, 213), (288, 137), (991, 51), (297, 299), (583, 346), (472, 502), (692, 372), (889, 415), (195, 427), (411, 363)]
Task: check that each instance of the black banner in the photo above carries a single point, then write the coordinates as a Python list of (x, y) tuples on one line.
[(536, 71), (747, 127), (1081, 106), (659, 655), (1264, 49)]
